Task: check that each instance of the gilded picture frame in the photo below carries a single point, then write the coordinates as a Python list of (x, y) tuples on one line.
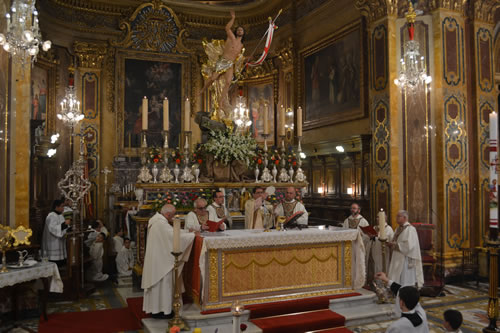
[(261, 95), (44, 82), (131, 69), (332, 72)]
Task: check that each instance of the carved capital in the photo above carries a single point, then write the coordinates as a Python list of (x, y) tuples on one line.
[(90, 55), (377, 9), (484, 10), (454, 5), (286, 54)]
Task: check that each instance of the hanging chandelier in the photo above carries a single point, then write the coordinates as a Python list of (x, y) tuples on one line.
[(22, 38), (241, 114), (413, 69), (70, 112)]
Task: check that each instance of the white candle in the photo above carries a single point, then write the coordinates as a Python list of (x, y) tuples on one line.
[(165, 114), (266, 119), (299, 121), (177, 235), (381, 224), (145, 113), (493, 167), (282, 121), (187, 116)]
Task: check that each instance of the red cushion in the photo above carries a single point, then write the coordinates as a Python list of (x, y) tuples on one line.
[(428, 259)]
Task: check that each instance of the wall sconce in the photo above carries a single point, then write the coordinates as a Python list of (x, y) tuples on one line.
[(349, 190), (340, 149), (45, 145)]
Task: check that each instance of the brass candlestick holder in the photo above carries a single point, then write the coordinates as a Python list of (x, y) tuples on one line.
[(382, 292), (177, 320)]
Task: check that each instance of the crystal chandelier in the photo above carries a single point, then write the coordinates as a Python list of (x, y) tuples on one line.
[(413, 69), (70, 112), (23, 37), (240, 114)]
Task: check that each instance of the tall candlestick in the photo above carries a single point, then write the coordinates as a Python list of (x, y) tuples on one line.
[(381, 224), (165, 114), (493, 170), (266, 119), (144, 113), (177, 236), (299, 121), (281, 128), (187, 116)]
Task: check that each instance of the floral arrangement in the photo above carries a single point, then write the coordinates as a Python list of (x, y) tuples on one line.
[(198, 157), (155, 155), (181, 199), (274, 157), (291, 158), (227, 147), (177, 156), (277, 197), (258, 159)]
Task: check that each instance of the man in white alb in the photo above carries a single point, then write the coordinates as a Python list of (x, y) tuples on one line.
[(197, 219), (406, 262), (356, 221), (125, 259), (217, 211), (54, 232), (291, 206), (159, 263), (258, 212)]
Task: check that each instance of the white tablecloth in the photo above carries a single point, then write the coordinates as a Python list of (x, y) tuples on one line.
[(40, 270), (234, 239)]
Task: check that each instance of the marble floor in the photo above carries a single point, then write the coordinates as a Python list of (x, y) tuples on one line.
[(468, 299)]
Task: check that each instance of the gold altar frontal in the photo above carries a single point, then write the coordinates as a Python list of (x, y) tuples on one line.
[(269, 273)]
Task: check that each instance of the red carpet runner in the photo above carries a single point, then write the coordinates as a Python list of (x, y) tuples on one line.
[(102, 321)]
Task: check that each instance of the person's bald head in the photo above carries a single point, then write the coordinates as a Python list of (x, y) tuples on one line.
[(290, 193), (200, 203), (168, 211)]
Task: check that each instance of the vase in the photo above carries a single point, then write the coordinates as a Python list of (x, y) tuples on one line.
[(176, 173), (290, 173), (154, 171), (274, 172), (257, 171), (196, 175)]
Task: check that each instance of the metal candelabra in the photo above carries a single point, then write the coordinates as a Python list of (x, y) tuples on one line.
[(299, 174), (144, 174), (187, 174), (266, 174), (165, 175), (283, 176), (176, 304)]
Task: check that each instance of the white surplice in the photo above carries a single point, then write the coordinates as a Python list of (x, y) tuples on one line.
[(159, 263), (299, 207), (94, 273), (117, 243), (359, 221), (124, 261), (213, 216), (406, 262), (374, 249), (54, 242), (404, 325)]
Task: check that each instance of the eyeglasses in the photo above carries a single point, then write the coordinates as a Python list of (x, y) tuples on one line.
[(204, 207)]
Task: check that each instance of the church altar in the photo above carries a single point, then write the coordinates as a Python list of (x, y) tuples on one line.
[(255, 266)]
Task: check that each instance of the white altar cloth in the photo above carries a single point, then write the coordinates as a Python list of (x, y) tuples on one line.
[(40, 270), (248, 238)]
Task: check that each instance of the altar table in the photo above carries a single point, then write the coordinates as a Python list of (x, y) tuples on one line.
[(254, 266)]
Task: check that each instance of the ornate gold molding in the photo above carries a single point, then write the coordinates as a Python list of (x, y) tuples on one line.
[(90, 55), (286, 56), (484, 10), (377, 9), (109, 68)]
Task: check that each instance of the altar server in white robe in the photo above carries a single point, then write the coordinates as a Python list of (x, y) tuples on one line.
[(159, 263), (413, 317), (94, 273), (374, 248), (291, 206), (217, 211), (54, 232), (125, 259), (258, 212), (197, 219), (406, 262), (356, 221)]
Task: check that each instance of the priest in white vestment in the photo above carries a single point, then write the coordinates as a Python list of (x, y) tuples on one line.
[(197, 219), (374, 248), (217, 211), (159, 263), (356, 221), (54, 232), (125, 259), (291, 206), (406, 262), (258, 212)]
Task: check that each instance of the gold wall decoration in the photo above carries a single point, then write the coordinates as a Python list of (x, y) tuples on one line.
[(214, 275), (21, 235), (375, 9), (90, 55)]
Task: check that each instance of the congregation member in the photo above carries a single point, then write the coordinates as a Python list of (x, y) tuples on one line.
[(258, 211), (452, 321), (118, 241), (157, 274), (94, 273), (406, 263), (291, 206), (196, 220), (125, 259), (413, 317), (54, 232), (218, 212), (374, 249)]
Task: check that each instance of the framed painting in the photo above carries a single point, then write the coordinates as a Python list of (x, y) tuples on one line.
[(155, 76), (260, 101), (43, 92), (333, 78)]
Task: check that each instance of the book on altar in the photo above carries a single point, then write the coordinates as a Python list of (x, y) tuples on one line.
[(213, 226), (292, 220), (370, 231)]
